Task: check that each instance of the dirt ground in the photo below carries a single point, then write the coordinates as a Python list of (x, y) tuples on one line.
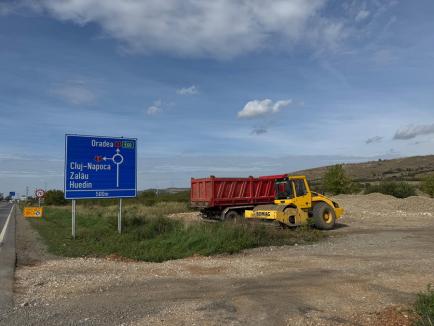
[(189, 217), (366, 273)]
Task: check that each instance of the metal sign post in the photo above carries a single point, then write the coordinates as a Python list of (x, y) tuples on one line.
[(120, 216), (73, 218), (40, 194)]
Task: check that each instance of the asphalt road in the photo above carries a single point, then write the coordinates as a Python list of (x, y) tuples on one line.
[(5, 208), (7, 257)]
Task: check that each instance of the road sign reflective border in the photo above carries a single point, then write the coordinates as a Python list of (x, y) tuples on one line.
[(100, 167), (40, 193)]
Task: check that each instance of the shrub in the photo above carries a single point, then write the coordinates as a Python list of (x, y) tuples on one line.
[(428, 185), (397, 189), (424, 307), (336, 181), (355, 188), (55, 197), (149, 198)]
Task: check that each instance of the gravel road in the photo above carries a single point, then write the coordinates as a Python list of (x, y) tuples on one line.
[(379, 257)]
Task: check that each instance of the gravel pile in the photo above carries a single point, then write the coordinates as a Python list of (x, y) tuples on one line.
[(379, 209), (415, 204)]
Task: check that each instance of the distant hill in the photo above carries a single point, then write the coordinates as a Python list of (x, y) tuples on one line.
[(407, 169)]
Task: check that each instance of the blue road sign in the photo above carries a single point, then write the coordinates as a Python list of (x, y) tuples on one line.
[(100, 167), (12, 194)]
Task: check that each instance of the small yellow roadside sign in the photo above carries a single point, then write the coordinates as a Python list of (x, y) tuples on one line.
[(33, 211)]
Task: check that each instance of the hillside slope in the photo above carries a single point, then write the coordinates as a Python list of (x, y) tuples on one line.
[(408, 169)]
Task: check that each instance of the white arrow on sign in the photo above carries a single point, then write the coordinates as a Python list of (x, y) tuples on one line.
[(117, 159)]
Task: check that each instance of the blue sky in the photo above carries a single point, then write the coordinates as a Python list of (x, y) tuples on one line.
[(214, 87)]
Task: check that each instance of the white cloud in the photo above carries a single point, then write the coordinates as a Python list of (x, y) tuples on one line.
[(206, 28), (75, 92), (152, 110), (259, 108), (412, 131), (374, 140), (192, 90), (362, 15), (155, 108)]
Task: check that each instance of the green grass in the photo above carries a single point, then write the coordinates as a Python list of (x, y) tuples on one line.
[(424, 308), (149, 236)]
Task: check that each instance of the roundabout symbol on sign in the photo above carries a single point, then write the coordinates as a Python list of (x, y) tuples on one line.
[(117, 159)]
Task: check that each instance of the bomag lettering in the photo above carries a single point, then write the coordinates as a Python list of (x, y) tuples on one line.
[(263, 214)]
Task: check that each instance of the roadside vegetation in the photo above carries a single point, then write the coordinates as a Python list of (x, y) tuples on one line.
[(337, 182), (424, 308), (428, 185), (55, 197), (399, 189), (147, 197), (151, 236)]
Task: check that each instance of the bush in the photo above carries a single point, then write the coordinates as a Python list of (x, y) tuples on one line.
[(355, 188), (428, 185), (336, 181), (397, 189), (55, 197), (424, 307)]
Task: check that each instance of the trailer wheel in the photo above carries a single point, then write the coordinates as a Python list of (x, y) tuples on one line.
[(232, 216), (324, 216)]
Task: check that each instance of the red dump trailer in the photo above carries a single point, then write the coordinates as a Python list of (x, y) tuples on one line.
[(228, 198)]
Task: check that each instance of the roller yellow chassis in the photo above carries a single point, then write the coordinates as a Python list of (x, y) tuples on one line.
[(294, 211)]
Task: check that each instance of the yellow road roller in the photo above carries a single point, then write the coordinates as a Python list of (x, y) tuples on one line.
[(295, 205)]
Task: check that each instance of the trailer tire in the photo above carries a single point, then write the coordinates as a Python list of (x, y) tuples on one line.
[(232, 215), (324, 216)]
